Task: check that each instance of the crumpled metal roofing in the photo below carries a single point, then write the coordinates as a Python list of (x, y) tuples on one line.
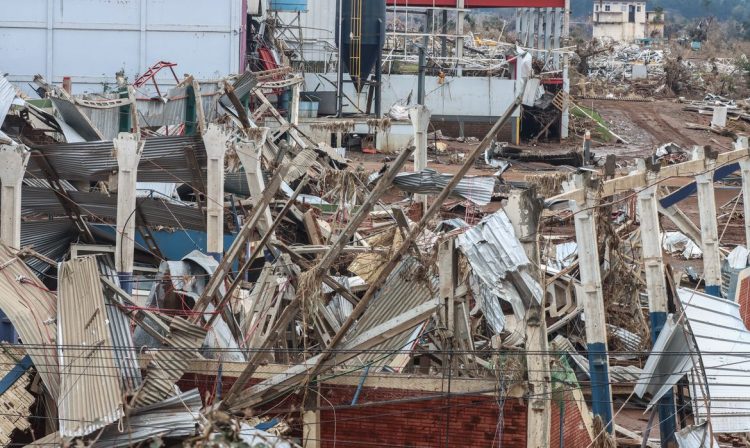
[(90, 394), (168, 364), (695, 436), (157, 211), (177, 416), (722, 342), (498, 259), (32, 310), (50, 238), (407, 287), (618, 374), (76, 119), (7, 95), (477, 189), (163, 159), (300, 164)]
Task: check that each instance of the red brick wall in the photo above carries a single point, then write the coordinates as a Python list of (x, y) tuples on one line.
[(743, 297), (401, 418), (414, 419), (574, 430)]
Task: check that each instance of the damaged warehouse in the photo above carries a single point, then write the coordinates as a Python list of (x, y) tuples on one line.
[(358, 233)]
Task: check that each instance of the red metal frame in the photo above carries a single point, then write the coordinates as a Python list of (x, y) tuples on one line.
[(480, 3)]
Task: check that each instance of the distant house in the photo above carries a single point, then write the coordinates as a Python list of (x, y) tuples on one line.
[(655, 24), (620, 20)]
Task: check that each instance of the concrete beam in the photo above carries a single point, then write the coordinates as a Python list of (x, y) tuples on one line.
[(13, 161), (216, 142), (128, 149)]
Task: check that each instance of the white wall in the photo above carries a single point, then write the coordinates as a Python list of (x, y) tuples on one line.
[(466, 96), (90, 40)]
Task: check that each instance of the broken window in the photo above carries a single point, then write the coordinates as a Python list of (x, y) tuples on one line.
[(606, 7)]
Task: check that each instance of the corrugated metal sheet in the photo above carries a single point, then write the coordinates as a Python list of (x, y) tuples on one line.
[(695, 436), (50, 238), (7, 95), (90, 394), (477, 189), (33, 311), (723, 344), (300, 164), (618, 374), (157, 211), (176, 416), (407, 287), (104, 119), (169, 363), (498, 259), (163, 159), (126, 356)]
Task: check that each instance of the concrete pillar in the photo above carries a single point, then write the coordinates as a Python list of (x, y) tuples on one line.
[(709, 228), (215, 140), (128, 148), (13, 160), (420, 120), (593, 301), (524, 210), (460, 37), (250, 154), (565, 120), (742, 143), (656, 288)]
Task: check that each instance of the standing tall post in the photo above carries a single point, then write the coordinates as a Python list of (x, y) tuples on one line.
[(523, 210), (593, 300), (742, 143), (656, 288), (250, 155), (215, 140), (709, 228), (420, 120), (565, 119), (460, 37), (128, 148), (13, 161)]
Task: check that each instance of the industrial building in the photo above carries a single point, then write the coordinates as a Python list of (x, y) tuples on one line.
[(282, 223)]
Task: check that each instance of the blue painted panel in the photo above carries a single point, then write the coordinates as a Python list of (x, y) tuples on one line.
[(287, 5), (691, 188), (601, 400)]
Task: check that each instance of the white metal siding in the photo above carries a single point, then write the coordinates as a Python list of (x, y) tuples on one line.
[(90, 40)]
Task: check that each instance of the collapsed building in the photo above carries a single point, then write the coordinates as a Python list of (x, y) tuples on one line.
[(201, 264)]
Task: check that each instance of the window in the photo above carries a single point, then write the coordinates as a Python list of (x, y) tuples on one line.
[(623, 8), (638, 8), (596, 7), (606, 7)]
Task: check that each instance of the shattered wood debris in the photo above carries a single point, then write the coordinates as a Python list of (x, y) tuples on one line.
[(256, 282)]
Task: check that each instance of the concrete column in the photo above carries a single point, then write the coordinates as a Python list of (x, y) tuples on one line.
[(657, 290), (460, 37), (420, 120), (215, 140), (250, 154), (742, 143), (13, 160), (709, 228), (593, 301), (128, 149), (524, 210)]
